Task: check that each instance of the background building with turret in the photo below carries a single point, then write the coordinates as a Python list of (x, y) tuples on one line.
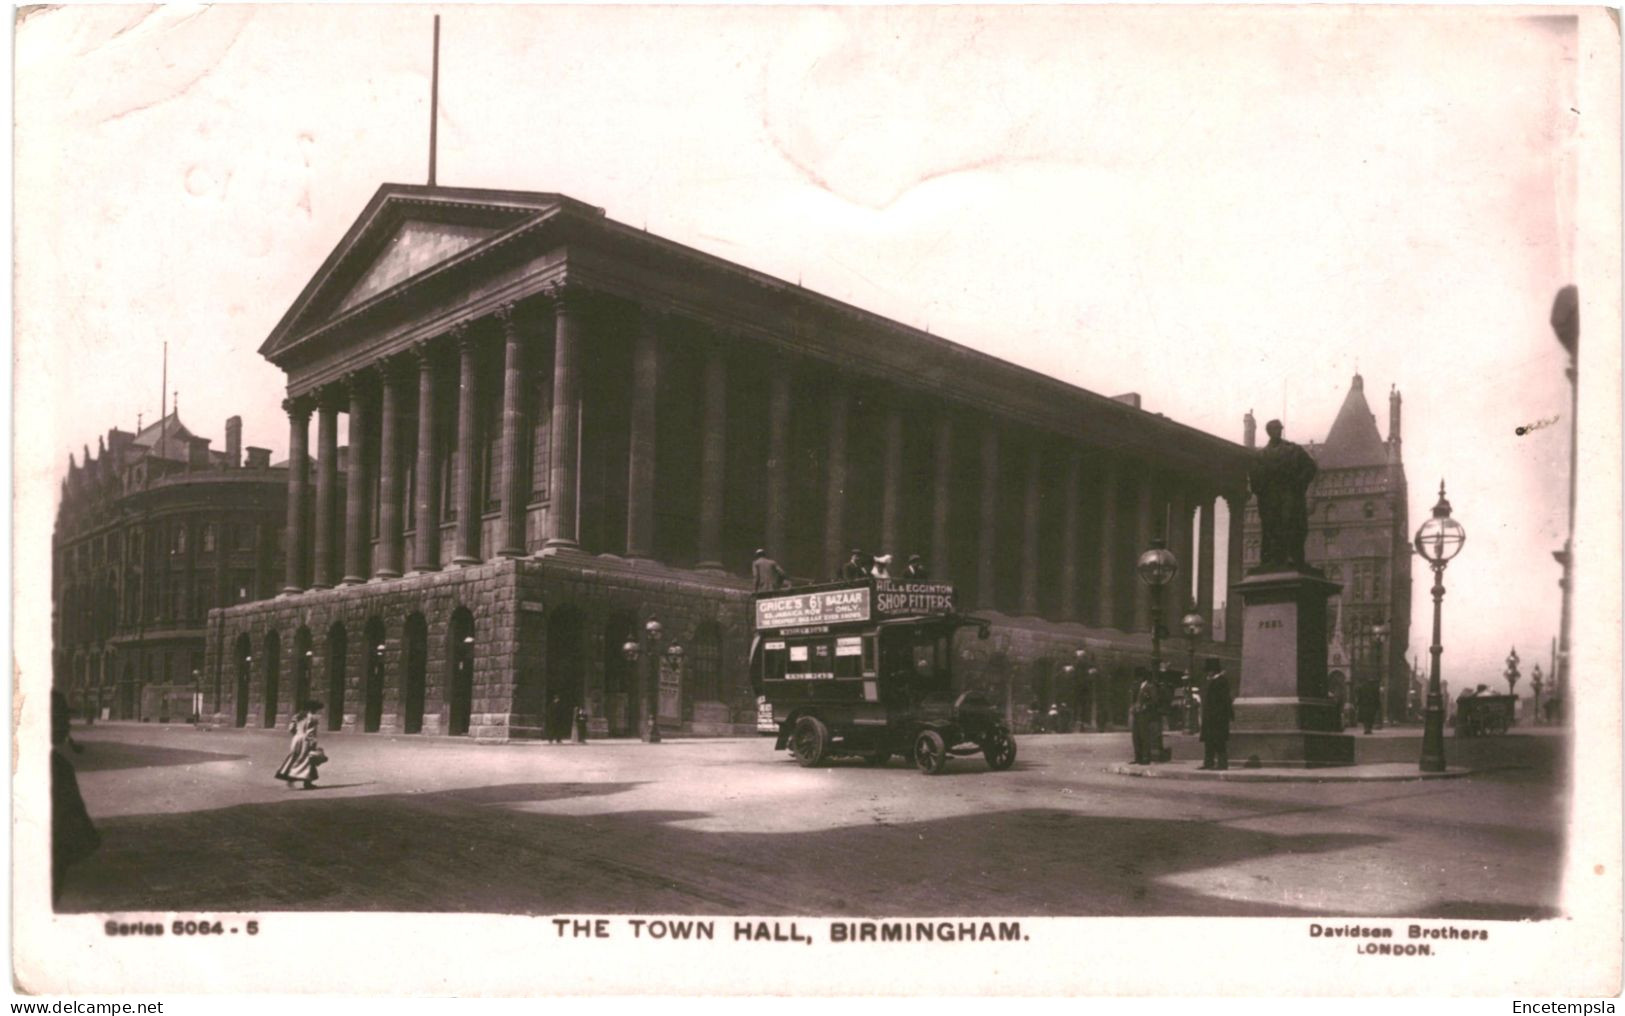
[(1359, 535), (153, 531)]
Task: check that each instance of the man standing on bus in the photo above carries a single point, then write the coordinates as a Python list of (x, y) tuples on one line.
[(916, 569), (855, 567), (766, 572)]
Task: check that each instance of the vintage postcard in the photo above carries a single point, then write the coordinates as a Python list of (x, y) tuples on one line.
[(830, 501)]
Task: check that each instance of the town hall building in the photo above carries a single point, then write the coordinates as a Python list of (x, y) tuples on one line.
[(561, 427)]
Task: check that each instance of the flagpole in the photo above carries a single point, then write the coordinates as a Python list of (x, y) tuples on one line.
[(434, 98)]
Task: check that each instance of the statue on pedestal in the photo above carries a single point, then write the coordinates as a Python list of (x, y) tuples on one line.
[(1280, 478)]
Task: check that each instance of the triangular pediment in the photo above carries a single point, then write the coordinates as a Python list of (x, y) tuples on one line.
[(405, 234), (416, 246)]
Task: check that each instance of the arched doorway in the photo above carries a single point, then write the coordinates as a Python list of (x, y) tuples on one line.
[(414, 664), (460, 664), (273, 667), (620, 678), (564, 659), (337, 654), (244, 655), (704, 682), (372, 714), (126, 696), (303, 657)]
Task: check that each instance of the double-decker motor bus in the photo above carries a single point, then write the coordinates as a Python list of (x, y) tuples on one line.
[(865, 669)]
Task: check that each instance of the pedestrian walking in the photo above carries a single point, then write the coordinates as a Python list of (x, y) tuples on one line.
[(581, 725), (305, 756), (1217, 712), (765, 572), (1367, 702), (556, 724), (1144, 718), (73, 835)]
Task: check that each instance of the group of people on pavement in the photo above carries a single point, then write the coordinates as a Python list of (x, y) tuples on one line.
[(1147, 708), (767, 576)]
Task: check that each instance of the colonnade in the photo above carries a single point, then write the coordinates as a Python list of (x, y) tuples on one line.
[(1090, 572)]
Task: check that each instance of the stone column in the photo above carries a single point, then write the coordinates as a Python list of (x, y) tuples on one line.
[(1069, 535), (428, 468), (1144, 530), (388, 565), (1237, 505), (835, 500), (515, 424), (1176, 594), (1029, 532), (713, 458), (1204, 561), (778, 465), (470, 497), (640, 459), (1107, 549), (563, 458), (941, 495), (358, 487), (988, 528), (891, 489), (327, 489)]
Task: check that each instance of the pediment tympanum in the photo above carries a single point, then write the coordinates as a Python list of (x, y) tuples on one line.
[(417, 246)]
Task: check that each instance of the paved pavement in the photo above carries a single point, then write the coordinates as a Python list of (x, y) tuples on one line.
[(193, 820)]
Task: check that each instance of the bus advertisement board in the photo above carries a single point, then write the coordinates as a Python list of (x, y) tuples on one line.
[(833, 606)]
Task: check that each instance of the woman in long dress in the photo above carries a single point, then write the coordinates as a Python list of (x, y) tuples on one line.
[(304, 754)]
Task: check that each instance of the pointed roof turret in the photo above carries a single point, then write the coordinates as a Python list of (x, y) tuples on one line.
[(1353, 441)]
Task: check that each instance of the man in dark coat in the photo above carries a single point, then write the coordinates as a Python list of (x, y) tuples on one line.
[(1280, 477), (1145, 718), (1217, 712), (916, 569), (1367, 703), (855, 568), (766, 573)]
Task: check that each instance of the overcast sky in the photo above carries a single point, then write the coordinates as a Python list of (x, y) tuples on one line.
[(1221, 210)]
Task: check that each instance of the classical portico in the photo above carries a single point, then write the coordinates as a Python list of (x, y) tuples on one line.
[(521, 379)]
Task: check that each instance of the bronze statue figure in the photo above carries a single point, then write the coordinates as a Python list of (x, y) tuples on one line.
[(1280, 479)]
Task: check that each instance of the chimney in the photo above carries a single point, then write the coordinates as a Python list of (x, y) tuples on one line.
[(1249, 430), (259, 458), (1128, 399), (234, 442), (197, 452)]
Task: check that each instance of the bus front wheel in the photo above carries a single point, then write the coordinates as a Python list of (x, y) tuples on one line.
[(930, 752), (809, 740)]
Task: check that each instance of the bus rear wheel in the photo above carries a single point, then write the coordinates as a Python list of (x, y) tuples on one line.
[(999, 750), (809, 740), (930, 752)]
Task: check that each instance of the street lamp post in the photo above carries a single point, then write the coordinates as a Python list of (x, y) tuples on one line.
[(653, 632), (1511, 673), (1537, 681), (1439, 539), (1379, 632), (1192, 623), (1156, 568)]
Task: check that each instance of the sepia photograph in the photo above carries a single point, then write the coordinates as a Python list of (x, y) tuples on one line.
[(875, 500)]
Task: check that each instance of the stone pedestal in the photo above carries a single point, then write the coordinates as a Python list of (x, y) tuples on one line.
[(1283, 714)]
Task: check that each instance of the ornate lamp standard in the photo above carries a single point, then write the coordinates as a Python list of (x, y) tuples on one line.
[(653, 633), (1438, 540), (1511, 673), (1537, 679), (1192, 623), (1156, 568)]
